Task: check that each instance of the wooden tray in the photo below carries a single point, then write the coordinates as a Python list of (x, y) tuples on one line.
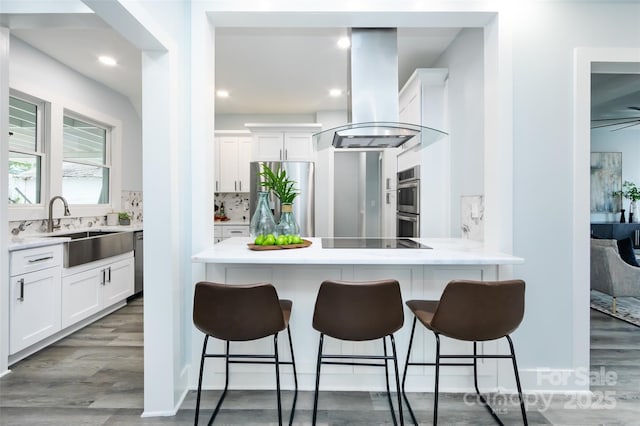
[(303, 244)]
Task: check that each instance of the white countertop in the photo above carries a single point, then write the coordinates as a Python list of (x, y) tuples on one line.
[(26, 241), (231, 222), (445, 251)]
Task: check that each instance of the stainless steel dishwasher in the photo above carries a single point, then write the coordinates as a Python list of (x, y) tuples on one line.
[(138, 239)]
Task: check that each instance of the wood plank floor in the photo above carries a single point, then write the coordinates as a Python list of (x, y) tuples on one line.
[(95, 377)]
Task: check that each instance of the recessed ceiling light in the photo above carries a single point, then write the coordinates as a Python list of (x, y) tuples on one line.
[(222, 94), (107, 60), (335, 93), (344, 43)]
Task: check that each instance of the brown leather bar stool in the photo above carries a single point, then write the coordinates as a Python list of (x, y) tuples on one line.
[(238, 313), (473, 311), (359, 311)]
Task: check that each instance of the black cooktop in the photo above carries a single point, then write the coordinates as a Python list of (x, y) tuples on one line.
[(371, 243)]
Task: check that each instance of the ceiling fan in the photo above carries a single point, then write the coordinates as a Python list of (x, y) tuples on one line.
[(618, 123)]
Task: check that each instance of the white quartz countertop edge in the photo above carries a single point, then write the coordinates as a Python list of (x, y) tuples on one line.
[(445, 251), (47, 239)]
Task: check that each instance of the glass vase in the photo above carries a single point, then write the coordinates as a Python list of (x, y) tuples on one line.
[(287, 224), (262, 221), (633, 210)]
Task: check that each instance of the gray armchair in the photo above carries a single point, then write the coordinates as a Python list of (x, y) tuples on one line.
[(610, 274)]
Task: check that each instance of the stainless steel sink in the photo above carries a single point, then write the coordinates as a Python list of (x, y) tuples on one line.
[(89, 246)]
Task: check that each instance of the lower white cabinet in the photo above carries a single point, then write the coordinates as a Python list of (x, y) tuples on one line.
[(223, 231), (88, 289), (34, 295), (35, 307)]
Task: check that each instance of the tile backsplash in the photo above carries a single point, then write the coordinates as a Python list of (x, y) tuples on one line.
[(131, 202), (236, 205), (472, 217)]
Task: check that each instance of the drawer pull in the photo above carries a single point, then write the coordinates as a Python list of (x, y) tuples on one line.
[(21, 282), (235, 232), (41, 259)]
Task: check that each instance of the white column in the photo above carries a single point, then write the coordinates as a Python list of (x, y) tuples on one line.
[(4, 176)]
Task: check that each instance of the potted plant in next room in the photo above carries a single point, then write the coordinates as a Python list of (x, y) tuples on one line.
[(124, 218), (285, 189), (632, 193)]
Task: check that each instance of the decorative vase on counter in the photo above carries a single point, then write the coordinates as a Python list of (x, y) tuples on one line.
[(262, 221), (633, 212), (288, 224)]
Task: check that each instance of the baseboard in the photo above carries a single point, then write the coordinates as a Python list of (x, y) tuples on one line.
[(4, 373)]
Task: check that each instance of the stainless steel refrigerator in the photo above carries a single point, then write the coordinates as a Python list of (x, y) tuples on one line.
[(303, 173)]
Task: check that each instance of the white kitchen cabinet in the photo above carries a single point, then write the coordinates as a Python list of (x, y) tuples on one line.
[(283, 142), (90, 288), (423, 101), (35, 295), (223, 231), (217, 233), (229, 231), (233, 155)]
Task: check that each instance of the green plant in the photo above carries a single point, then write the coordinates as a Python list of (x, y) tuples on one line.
[(629, 191), (278, 182), (124, 216)]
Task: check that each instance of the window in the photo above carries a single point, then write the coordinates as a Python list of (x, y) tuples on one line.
[(25, 151), (86, 163)]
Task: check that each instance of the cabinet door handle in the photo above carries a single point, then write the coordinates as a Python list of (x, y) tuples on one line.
[(388, 198), (103, 277), (41, 259), (109, 280), (281, 155), (21, 282), (286, 154), (388, 183), (240, 186)]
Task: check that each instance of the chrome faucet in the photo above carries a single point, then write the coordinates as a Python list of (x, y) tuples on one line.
[(50, 226)]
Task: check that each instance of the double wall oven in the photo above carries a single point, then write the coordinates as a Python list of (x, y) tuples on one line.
[(408, 204)]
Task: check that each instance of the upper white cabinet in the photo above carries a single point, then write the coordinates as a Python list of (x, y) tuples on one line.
[(233, 155), (423, 100), (283, 142)]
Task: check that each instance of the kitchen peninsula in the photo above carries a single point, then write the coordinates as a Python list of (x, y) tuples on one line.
[(297, 274)]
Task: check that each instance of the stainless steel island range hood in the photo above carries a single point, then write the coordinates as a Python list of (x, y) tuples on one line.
[(373, 97)]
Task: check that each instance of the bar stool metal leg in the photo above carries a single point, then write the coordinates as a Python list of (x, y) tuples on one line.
[(395, 363), (386, 377), (204, 351), (295, 378), (275, 354), (515, 370), (315, 396), (435, 396), (404, 375)]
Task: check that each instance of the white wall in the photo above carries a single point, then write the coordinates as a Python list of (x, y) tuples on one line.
[(237, 121), (627, 142), (546, 35), (465, 60), (37, 74)]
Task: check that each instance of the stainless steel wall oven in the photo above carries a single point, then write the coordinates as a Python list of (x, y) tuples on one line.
[(408, 204)]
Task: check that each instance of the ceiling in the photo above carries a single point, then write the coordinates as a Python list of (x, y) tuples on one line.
[(275, 70), (615, 98)]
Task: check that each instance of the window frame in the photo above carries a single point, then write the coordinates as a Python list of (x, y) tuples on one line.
[(51, 168), (41, 145), (108, 160)]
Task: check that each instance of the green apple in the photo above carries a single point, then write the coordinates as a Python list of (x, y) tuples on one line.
[(269, 240)]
